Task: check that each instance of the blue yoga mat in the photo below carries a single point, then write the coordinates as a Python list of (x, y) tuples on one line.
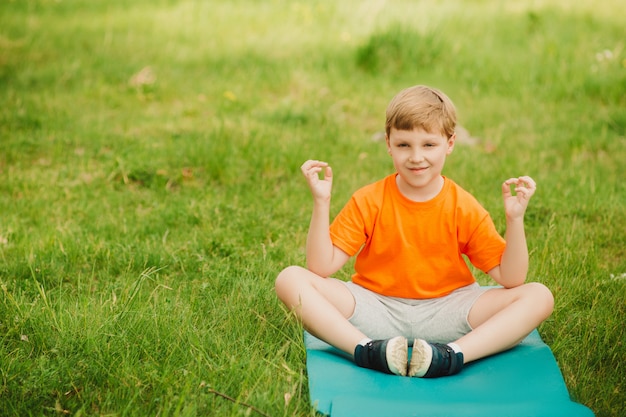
[(522, 382)]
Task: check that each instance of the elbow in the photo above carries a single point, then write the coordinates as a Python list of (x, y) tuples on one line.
[(326, 264), (508, 279), (513, 280), (512, 283), (318, 269), (322, 267)]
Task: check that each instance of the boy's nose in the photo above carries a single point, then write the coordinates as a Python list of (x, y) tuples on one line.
[(416, 156)]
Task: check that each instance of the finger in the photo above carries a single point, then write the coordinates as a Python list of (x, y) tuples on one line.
[(523, 192), (527, 186), (312, 166), (506, 186), (328, 174), (312, 163), (528, 182)]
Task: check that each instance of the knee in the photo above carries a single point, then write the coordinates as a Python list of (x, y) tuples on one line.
[(542, 298), (285, 280), (287, 274)]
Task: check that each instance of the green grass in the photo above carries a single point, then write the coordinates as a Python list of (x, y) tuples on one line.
[(145, 214)]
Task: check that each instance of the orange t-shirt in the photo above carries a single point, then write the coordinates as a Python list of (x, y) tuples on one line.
[(414, 249)]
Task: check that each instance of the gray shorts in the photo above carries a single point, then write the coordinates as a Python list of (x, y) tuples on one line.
[(440, 320)]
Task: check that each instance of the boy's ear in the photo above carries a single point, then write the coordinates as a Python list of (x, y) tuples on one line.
[(451, 142), (388, 145)]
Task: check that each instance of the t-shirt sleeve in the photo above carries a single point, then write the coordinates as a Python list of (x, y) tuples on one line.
[(485, 246), (348, 231)]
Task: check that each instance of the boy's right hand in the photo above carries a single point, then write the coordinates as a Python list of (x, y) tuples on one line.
[(320, 188)]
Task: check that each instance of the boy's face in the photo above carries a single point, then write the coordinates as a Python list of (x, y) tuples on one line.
[(419, 157)]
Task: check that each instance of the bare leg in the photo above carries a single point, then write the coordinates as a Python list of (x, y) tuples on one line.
[(501, 318), (322, 304)]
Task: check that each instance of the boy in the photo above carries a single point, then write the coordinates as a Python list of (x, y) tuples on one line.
[(409, 232)]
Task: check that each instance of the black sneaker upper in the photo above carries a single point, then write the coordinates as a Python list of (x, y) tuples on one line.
[(445, 361), (373, 356)]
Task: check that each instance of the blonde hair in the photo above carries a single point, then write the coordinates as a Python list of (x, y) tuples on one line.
[(421, 107)]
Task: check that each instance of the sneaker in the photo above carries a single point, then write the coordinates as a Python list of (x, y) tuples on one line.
[(389, 356), (431, 360)]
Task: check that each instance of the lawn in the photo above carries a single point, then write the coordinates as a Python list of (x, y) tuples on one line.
[(150, 189)]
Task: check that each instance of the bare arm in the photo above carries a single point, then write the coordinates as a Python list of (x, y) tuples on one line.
[(322, 257), (514, 263)]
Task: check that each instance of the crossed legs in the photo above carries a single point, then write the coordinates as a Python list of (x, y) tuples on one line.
[(500, 318)]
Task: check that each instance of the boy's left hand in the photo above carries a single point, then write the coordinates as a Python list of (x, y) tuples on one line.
[(515, 205)]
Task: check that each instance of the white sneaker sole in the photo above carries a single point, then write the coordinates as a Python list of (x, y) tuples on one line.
[(397, 354), (421, 358)]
